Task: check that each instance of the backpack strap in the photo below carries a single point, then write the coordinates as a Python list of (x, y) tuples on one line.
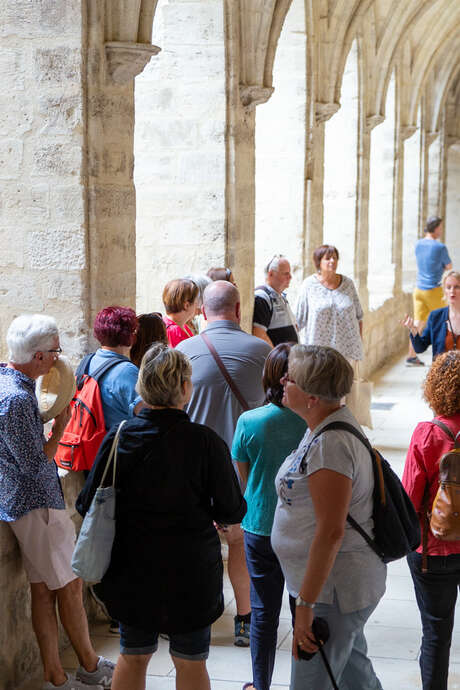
[(83, 369), (270, 297), (377, 470), (447, 431)]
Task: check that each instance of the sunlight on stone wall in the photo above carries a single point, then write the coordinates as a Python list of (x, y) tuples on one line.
[(381, 269), (452, 223), (411, 208), (340, 168), (280, 158), (179, 147)]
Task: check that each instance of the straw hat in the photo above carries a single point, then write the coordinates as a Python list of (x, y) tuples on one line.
[(55, 389)]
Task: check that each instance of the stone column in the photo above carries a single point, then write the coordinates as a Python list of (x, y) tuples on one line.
[(111, 205), (402, 134)]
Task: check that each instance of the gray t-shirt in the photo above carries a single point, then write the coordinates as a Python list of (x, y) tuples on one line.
[(212, 402), (358, 575)]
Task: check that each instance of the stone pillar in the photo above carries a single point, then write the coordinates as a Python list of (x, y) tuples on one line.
[(398, 206), (111, 205)]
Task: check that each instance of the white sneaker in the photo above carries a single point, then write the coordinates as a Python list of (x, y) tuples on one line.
[(101, 676), (71, 684)]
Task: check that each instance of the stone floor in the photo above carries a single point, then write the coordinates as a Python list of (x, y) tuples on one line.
[(393, 632)]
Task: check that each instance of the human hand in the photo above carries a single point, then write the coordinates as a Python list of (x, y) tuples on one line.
[(303, 635), (409, 323)]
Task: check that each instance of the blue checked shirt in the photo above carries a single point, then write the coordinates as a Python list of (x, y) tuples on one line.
[(28, 480)]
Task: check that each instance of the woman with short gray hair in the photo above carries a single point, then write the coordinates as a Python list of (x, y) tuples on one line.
[(330, 570), (174, 479)]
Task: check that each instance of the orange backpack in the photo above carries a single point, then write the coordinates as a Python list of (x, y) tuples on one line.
[(85, 430), (445, 513)]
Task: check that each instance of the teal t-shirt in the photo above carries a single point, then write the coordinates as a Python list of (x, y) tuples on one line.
[(264, 437)]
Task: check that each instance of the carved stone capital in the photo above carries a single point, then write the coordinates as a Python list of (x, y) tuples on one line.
[(407, 131), (430, 137), (254, 95), (126, 60), (373, 120), (324, 111)]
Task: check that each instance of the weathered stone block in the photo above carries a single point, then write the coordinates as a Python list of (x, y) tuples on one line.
[(26, 202), (58, 247), (11, 154), (58, 66), (61, 115), (12, 69), (68, 202), (57, 159), (16, 114)]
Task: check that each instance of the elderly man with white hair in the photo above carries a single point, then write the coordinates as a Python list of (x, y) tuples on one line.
[(31, 501), (273, 320)]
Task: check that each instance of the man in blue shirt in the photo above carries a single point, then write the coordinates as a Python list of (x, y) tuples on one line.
[(31, 501), (432, 260)]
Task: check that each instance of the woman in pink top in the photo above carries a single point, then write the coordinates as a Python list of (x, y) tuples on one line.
[(436, 589), (180, 298)]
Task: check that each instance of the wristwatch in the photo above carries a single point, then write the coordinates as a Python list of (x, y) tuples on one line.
[(301, 602)]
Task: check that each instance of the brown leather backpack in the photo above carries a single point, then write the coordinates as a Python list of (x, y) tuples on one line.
[(445, 513)]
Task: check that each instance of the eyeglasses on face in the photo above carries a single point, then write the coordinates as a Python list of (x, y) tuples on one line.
[(286, 379)]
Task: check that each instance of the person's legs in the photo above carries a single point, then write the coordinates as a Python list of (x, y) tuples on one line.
[(44, 623), (73, 618), (237, 568), (191, 675), (267, 583), (436, 594), (189, 652), (346, 632), (130, 672)]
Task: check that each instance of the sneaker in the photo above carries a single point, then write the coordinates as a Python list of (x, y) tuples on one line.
[(114, 627), (72, 684), (414, 362), (102, 676), (242, 630)]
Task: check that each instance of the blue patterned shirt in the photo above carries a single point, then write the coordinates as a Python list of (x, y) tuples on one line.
[(28, 480)]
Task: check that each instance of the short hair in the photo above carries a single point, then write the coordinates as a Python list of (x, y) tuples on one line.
[(274, 263), (215, 273), (321, 371), (276, 366), (201, 281), (432, 223), (324, 251), (220, 297), (151, 329), (163, 371), (177, 292), (115, 326), (28, 334), (451, 273), (441, 389)]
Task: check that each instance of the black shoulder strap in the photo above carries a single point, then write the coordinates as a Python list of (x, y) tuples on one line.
[(269, 294), (345, 426), (83, 368), (445, 428)]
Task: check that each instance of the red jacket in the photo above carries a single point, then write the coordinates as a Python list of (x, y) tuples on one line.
[(428, 445)]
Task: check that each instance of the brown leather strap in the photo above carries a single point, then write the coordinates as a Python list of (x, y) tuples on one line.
[(223, 369)]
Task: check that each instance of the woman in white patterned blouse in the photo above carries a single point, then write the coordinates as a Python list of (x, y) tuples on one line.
[(328, 310)]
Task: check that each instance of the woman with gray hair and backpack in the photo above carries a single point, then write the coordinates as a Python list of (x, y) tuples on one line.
[(435, 566), (329, 568)]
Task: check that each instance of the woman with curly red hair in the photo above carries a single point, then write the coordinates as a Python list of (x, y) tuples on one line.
[(435, 588)]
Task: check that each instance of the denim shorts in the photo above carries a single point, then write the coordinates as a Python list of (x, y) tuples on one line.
[(193, 646)]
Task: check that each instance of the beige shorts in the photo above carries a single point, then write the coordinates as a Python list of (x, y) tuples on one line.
[(46, 538)]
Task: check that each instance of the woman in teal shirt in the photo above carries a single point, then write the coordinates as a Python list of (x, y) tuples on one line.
[(264, 437)]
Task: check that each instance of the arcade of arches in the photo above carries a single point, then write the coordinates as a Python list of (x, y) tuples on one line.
[(146, 139)]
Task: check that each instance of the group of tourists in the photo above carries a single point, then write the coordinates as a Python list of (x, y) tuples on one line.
[(227, 438)]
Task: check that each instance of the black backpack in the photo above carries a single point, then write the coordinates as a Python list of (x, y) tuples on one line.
[(396, 524)]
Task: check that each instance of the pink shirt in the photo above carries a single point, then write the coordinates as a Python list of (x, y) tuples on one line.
[(428, 444), (175, 333)]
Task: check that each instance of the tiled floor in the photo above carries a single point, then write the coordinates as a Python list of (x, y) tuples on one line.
[(393, 631)]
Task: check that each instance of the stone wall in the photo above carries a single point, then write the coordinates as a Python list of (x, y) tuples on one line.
[(19, 655), (179, 149), (452, 224), (42, 212)]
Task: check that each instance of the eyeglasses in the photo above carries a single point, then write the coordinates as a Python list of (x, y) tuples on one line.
[(57, 350), (286, 379)]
